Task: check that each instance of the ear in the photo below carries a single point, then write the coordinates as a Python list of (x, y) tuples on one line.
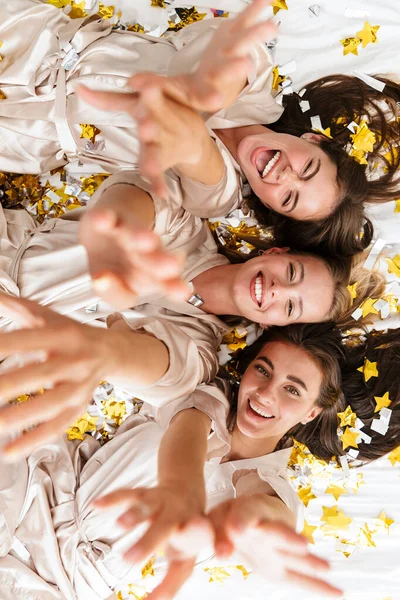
[(277, 250), (314, 138), (314, 412)]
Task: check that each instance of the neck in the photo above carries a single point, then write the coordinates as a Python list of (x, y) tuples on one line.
[(245, 447), (232, 137), (215, 287)]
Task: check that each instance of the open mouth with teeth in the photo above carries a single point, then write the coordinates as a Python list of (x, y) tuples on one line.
[(259, 412), (257, 289), (265, 160)]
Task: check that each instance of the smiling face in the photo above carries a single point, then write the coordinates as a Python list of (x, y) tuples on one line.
[(290, 175), (279, 389), (280, 288)]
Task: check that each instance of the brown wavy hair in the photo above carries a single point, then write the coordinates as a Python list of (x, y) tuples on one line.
[(384, 348), (339, 100)]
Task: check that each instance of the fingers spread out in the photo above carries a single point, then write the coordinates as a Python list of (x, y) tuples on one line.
[(48, 431), (109, 100), (178, 573)]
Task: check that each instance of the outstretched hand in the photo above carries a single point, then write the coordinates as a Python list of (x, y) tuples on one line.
[(270, 548), (126, 261), (67, 359), (175, 524)]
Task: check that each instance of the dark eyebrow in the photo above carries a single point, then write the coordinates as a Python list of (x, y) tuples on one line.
[(290, 377), (313, 173), (297, 380), (267, 361), (301, 267)]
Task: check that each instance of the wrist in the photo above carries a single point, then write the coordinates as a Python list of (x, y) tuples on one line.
[(207, 165)]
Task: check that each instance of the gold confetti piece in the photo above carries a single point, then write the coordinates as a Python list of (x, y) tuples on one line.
[(138, 592), (305, 494), (385, 520), (217, 574), (59, 3), (348, 417), (352, 291), (382, 401), (187, 16), (334, 519), (350, 45), (148, 567), (326, 132), (278, 5), (349, 438), (89, 132), (81, 426), (367, 35), (2, 95), (394, 456), (366, 536), (369, 369), (394, 265), (336, 491), (137, 28), (77, 10), (114, 410), (308, 531), (359, 156), (368, 308), (243, 570), (397, 208), (107, 12), (277, 79), (363, 139), (158, 3)]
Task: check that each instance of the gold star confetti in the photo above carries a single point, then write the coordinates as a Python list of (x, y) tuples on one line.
[(394, 265), (278, 5), (382, 401), (336, 491), (148, 567), (352, 291), (243, 570), (369, 369), (359, 156), (2, 95), (385, 520), (334, 519), (158, 3), (218, 574), (394, 456), (363, 139), (305, 494), (349, 438), (107, 12), (368, 308), (89, 131), (77, 10), (397, 208), (308, 531), (367, 35), (348, 417), (350, 45)]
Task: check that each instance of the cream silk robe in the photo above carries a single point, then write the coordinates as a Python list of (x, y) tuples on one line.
[(40, 118), (55, 546)]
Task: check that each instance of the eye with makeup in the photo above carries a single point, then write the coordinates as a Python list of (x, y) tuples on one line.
[(307, 168), (287, 200), (290, 308), (291, 272), (261, 370), (292, 390)]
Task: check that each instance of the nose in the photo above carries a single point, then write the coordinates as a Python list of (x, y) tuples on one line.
[(265, 394), (288, 175)]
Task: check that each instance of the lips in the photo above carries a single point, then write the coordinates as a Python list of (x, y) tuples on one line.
[(257, 289), (260, 157), (259, 413)]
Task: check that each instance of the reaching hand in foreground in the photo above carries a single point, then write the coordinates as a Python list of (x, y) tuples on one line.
[(170, 130), (126, 261), (272, 549)]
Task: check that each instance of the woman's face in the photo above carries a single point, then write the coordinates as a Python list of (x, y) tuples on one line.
[(290, 175), (278, 390), (279, 288)]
